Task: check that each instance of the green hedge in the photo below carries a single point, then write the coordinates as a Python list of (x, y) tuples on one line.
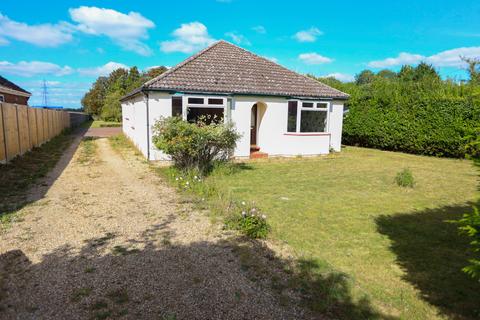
[(398, 117)]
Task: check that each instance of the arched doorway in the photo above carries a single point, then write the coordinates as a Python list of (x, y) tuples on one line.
[(256, 116)]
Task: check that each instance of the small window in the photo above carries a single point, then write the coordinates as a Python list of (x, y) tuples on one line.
[(195, 100), (215, 101), (292, 116), (322, 105), (307, 104), (2, 98), (313, 121), (177, 106)]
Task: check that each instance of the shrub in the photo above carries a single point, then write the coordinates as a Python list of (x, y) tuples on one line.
[(249, 221), (469, 225), (195, 145), (405, 178), (428, 117)]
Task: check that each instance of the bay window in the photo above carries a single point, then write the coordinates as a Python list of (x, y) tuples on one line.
[(307, 116)]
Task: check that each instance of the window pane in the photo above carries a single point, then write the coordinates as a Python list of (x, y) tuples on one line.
[(307, 104), (292, 116), (176, 106), (208, 115), (216, 101), (195, 100), (313, 121), (322, 105)]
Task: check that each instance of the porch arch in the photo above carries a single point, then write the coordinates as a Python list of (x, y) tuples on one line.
[(257, 113)]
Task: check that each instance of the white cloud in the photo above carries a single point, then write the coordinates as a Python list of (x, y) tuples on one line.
[(189, 37), (259, 29), (340, 76), (451, 58), (447, 58), (238, 38), (102, 70), (273, 59), (34, 68), (309, 35), (402, 58), (42, 35), (127, 30), (314, 58)]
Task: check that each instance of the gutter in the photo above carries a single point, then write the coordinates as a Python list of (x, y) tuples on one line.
[(144, 89), (145, 93)]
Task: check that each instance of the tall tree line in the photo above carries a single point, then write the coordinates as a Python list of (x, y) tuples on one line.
[(102, 101)]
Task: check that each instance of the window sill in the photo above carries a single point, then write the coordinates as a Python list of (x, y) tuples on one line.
[(307, 134)]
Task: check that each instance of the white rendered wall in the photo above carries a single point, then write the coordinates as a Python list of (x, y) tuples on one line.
[(134, 121), (160, 105), (336, 124), (272, 135)]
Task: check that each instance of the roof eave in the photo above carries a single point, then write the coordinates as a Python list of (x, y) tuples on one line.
[(173, 90)]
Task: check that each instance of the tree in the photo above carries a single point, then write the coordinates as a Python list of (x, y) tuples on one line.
[(93, 100), (407, 73), (387, 74), (364, 77), (473, 69), (425, 71), (103, 99), (154, 72)]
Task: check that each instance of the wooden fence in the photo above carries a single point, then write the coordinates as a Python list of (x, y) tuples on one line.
[(22, 128)]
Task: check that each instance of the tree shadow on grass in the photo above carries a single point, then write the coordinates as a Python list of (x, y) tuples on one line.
[(432, 253), (150, 278)]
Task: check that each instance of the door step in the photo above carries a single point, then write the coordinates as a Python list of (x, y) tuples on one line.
[(258, 155)]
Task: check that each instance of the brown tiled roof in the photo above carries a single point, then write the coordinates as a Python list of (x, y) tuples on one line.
[(10, 85), (226, 68)]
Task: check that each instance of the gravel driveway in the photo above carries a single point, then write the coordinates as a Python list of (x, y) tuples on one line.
[(107, 239)]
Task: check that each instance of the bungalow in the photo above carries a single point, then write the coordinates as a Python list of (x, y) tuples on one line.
[(11, 93), (278, 112)]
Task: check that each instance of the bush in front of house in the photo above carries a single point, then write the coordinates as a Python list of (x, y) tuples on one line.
[(405, 178), (249, 221), (195, 146)]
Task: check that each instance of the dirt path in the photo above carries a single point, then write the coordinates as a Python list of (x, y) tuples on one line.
[(110, 240)]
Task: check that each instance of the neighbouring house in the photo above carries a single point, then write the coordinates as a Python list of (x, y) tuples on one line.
[(278, 112), (11, 93)]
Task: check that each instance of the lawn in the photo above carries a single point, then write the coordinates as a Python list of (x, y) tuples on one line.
[(346, 213), (103, 124)]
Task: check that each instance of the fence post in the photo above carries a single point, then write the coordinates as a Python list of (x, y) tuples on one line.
[(29, 133), (4, 133), (18, 131)]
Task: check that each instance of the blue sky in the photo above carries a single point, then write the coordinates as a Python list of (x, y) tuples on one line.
[(70, 43)]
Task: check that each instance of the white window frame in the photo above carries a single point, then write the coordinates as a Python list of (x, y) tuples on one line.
[(315, 108), (186, 105)]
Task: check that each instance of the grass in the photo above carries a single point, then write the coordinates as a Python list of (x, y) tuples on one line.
[(347, 215), (103, 124), (88, 150), (24, 171)]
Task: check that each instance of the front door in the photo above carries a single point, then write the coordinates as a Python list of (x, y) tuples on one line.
[(253, 126)]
